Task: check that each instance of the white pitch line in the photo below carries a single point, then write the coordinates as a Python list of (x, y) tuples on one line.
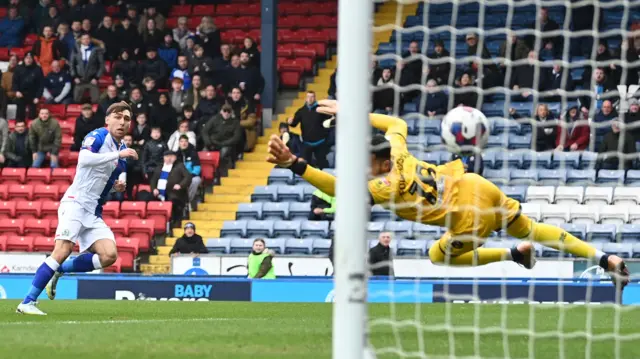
[(127, 321)]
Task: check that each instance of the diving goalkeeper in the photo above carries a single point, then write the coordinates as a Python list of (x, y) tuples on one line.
[(470, 206)]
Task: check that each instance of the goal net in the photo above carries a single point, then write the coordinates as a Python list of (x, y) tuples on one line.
[(558, 82)]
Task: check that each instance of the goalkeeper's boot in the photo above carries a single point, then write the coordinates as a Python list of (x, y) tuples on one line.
[(51, 287), (618, 271), (29, 309), (528, 254)]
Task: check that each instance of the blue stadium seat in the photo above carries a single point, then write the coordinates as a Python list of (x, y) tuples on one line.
[(275, 210), (331, 171), (280, 176), (622, 250), (536, 159), (629, 232), (584, 177), (501, 125), (499, 177), (489, 159), (565, 159), (555, 177), (523, 177), (314, 229), (374, 228), (633, 177), (499, 141), (610, 176), (400, 229), (511, 159), (386, 48), (429, 127), (286, 229), (234, 229), (588, 160), (260, 229), (219, 245), (430, 157), (276, 244), (379, 214), (548, 252), (426, 231), (241, 246), (520, 141), (299, 210), (412, 247), (290, 194), (578, 230), (307, 191), (409, 107), (264, 194), (414, 141), (636, 250), (249, 211), (321, 246), (516, 192), (299, 246), (433, 140), (602, 232)]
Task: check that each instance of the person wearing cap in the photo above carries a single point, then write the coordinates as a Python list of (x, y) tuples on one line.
[(28, 85), (260, 261), (85, 123), (170, 182), (223, 133), (190, 242), (154, 67), (87, 66)]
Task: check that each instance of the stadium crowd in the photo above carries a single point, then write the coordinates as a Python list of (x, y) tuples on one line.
[(189, 91)]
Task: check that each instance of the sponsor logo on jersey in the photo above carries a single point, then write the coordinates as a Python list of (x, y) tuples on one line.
[(89, 141)]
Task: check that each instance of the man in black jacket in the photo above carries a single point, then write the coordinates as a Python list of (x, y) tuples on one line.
[(190, 242), (380, 258), (28, 85), (153, 151), (314, 135), (188, 155), (17, 152), (154, 67), (85, 123)]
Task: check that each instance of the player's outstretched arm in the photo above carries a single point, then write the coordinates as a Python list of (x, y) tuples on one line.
[(89, 159), (280, 155)]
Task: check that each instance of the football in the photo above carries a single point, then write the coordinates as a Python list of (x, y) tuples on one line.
[(465, 130)]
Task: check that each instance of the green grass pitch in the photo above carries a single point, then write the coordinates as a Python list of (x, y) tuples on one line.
[(139, 330)]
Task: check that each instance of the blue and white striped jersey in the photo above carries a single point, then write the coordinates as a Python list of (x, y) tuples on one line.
[(99, 166)]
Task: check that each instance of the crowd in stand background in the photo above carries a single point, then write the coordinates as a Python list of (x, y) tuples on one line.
[(189, 92)]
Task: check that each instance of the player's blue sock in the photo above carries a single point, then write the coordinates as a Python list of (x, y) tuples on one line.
[(85, 262), (43, 276)]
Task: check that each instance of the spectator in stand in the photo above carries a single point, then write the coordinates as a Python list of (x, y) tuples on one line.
[(183, 130), (45, 136), (196, 92), (107, 33), (137, 102), (202, 65), (126, 67), (617, 145), (94, 11), (189, 243), (332, 85), (323, 206), (85, 123), (436, 100), (466, 98), (154, 67), (12, 29), (24, 11), (602, 85), (380, 257), (152, 36), (73, 11), (223, 62), (153, 151), (209, 105), (440, 71), (188, 51), (128, 37), (188, 155), (523, 78), (150, 13), (17, 152), (7, 77), (150, 92), (384, 94), (110, 97), (4, 139), (209, 37), (413, 69), (48, 49), (142, 131), (555, 85), (290, 139), (87, 28), (181, 33), (133, 16), (134, 173), (602, 119), (472, 47), (87, 66), (573, 134), (244, 110), (632, 119), (632, 47), (40, 12), (582, 18), (169, 50), (260, 261), (170, 181), (177, 95), (603, 54), (549, 43), (162, 115), (57, 86), (67, 38), (546, 129), (512, 49), (76, 30), (315, 136), (182, 72), (52, 18), (223, 133), (249, 78), (28, 85), (251, 48), (122, 88)]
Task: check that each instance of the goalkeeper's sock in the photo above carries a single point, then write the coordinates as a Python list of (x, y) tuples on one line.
[(43, 275), (558, 238), (85, 262)]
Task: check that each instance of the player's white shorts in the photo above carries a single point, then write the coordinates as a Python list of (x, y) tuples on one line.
[(78, 225)]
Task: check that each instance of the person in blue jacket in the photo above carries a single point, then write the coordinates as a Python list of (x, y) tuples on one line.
[(12, 29), (189, 157)]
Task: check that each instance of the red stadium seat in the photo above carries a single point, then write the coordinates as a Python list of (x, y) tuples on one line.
[(284, 51), (207, 172), (19, 244), (289, 79), (107, 67), (159, 213), (69, 159), (329, 8), (68, 127), (74, 110), (252, 10), (133, 210), (143, 230), (49, 210), (13, 175), (55, 110), (4, 191), (42, 175), (127, 250), (112, 10), (43, 244), (48, 192), (26, 210), (60, 176), (291, 65), (7, 209), (118, 226), (18, 51), (111, 209), (228, 10), (171, 22), (3, 243), (67, 141), (209, 157), (180, 10), (21, 191), (12, 226), (62, 189), (305, 51), (53, 226), (115, 267), (290, 22), (203, 10), (4, 54), (34, 227)]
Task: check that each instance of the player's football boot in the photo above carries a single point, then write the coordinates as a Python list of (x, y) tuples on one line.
[(51, 287), (29, 309), (528, 252), (618, 271)]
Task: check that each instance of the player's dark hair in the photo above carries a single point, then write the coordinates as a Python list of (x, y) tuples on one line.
[(118, 107), (380, 147)]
